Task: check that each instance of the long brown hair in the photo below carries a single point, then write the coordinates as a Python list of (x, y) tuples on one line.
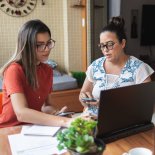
[(25, 50)]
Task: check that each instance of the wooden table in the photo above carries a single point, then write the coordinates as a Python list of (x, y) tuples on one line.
[(143, 139)]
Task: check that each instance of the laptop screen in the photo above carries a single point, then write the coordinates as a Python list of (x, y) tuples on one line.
[(122, 109)]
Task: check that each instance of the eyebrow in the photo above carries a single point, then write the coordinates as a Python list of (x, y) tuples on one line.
[(42, 42), (107, 42)]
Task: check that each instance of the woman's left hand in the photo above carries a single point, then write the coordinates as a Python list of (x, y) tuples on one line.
[(48, 109), (63, 109)]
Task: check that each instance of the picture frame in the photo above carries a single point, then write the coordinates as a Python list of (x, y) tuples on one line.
[(134, 23)]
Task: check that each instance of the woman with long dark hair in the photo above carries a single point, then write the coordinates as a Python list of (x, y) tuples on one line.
[(27, 81)]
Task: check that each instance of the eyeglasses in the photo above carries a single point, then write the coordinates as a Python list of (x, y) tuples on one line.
[(50, 44), (109, 45)]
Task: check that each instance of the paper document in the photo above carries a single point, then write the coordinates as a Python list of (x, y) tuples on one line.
[(33, 145), (39, 130)]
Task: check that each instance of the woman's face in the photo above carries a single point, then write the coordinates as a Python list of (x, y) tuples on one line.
[(44, 46), (111, 48)]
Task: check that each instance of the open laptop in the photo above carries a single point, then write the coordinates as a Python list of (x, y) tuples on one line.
[(125, 111)]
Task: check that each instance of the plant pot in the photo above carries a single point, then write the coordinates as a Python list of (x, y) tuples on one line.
[(98, 142)]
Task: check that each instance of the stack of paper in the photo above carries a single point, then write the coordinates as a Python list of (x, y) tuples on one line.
[(34, 144), (39, 130)]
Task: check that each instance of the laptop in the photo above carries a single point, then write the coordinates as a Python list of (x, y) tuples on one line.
[(125, 111)]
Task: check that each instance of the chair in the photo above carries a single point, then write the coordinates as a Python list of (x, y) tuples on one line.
[(1, 94)]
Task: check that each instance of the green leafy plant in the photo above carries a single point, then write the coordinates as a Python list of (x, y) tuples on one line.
[(78, 137), (79, 76)]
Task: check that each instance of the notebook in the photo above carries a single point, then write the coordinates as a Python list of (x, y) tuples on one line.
[(125, 111)]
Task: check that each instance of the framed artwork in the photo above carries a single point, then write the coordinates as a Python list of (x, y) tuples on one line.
[(18, 8), (134, 23)]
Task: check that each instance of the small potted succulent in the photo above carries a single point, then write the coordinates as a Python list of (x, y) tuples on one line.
[(79, 139)]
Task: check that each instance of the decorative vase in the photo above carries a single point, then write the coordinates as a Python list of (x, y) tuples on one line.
[(98, 142)]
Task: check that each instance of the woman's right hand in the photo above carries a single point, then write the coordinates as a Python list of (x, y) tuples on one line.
[(83, 99)]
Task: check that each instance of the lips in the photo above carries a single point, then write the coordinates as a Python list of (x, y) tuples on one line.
[(46, 55), (108, 55)]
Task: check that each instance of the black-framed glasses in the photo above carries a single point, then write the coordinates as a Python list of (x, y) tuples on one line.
[(50, 44), (109, 45)]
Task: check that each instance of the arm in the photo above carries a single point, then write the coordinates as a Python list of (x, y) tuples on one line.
[(25, 114), (144, 73), (48, 109), (148, 79)]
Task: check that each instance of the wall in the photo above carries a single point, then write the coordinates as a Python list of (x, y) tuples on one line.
[(75, 36), (96, 20), (62, 19), (114, 8), (133, 45)]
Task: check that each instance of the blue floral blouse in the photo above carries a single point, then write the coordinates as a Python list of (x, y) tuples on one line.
[(135, 71)]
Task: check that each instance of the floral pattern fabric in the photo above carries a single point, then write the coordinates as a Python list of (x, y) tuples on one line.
[(135, 71)]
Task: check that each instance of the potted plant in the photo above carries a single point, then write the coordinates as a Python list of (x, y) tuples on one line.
[(79, 76), (79, 138)]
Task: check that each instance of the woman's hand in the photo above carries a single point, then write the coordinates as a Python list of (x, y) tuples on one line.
[(90, 101), (48, 109), (63, 109)]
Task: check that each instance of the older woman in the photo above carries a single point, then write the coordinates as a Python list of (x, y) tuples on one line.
[(115, 68)]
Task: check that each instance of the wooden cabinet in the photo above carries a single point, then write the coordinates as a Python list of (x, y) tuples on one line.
[(69, 98)]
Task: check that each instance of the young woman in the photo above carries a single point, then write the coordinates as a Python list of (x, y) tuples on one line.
[(115, 68), (27, 81)]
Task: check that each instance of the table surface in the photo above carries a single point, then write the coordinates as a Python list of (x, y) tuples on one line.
[(143, 139)]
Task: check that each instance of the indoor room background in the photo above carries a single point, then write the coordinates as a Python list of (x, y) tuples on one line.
[(67, 23), (64, 22)]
